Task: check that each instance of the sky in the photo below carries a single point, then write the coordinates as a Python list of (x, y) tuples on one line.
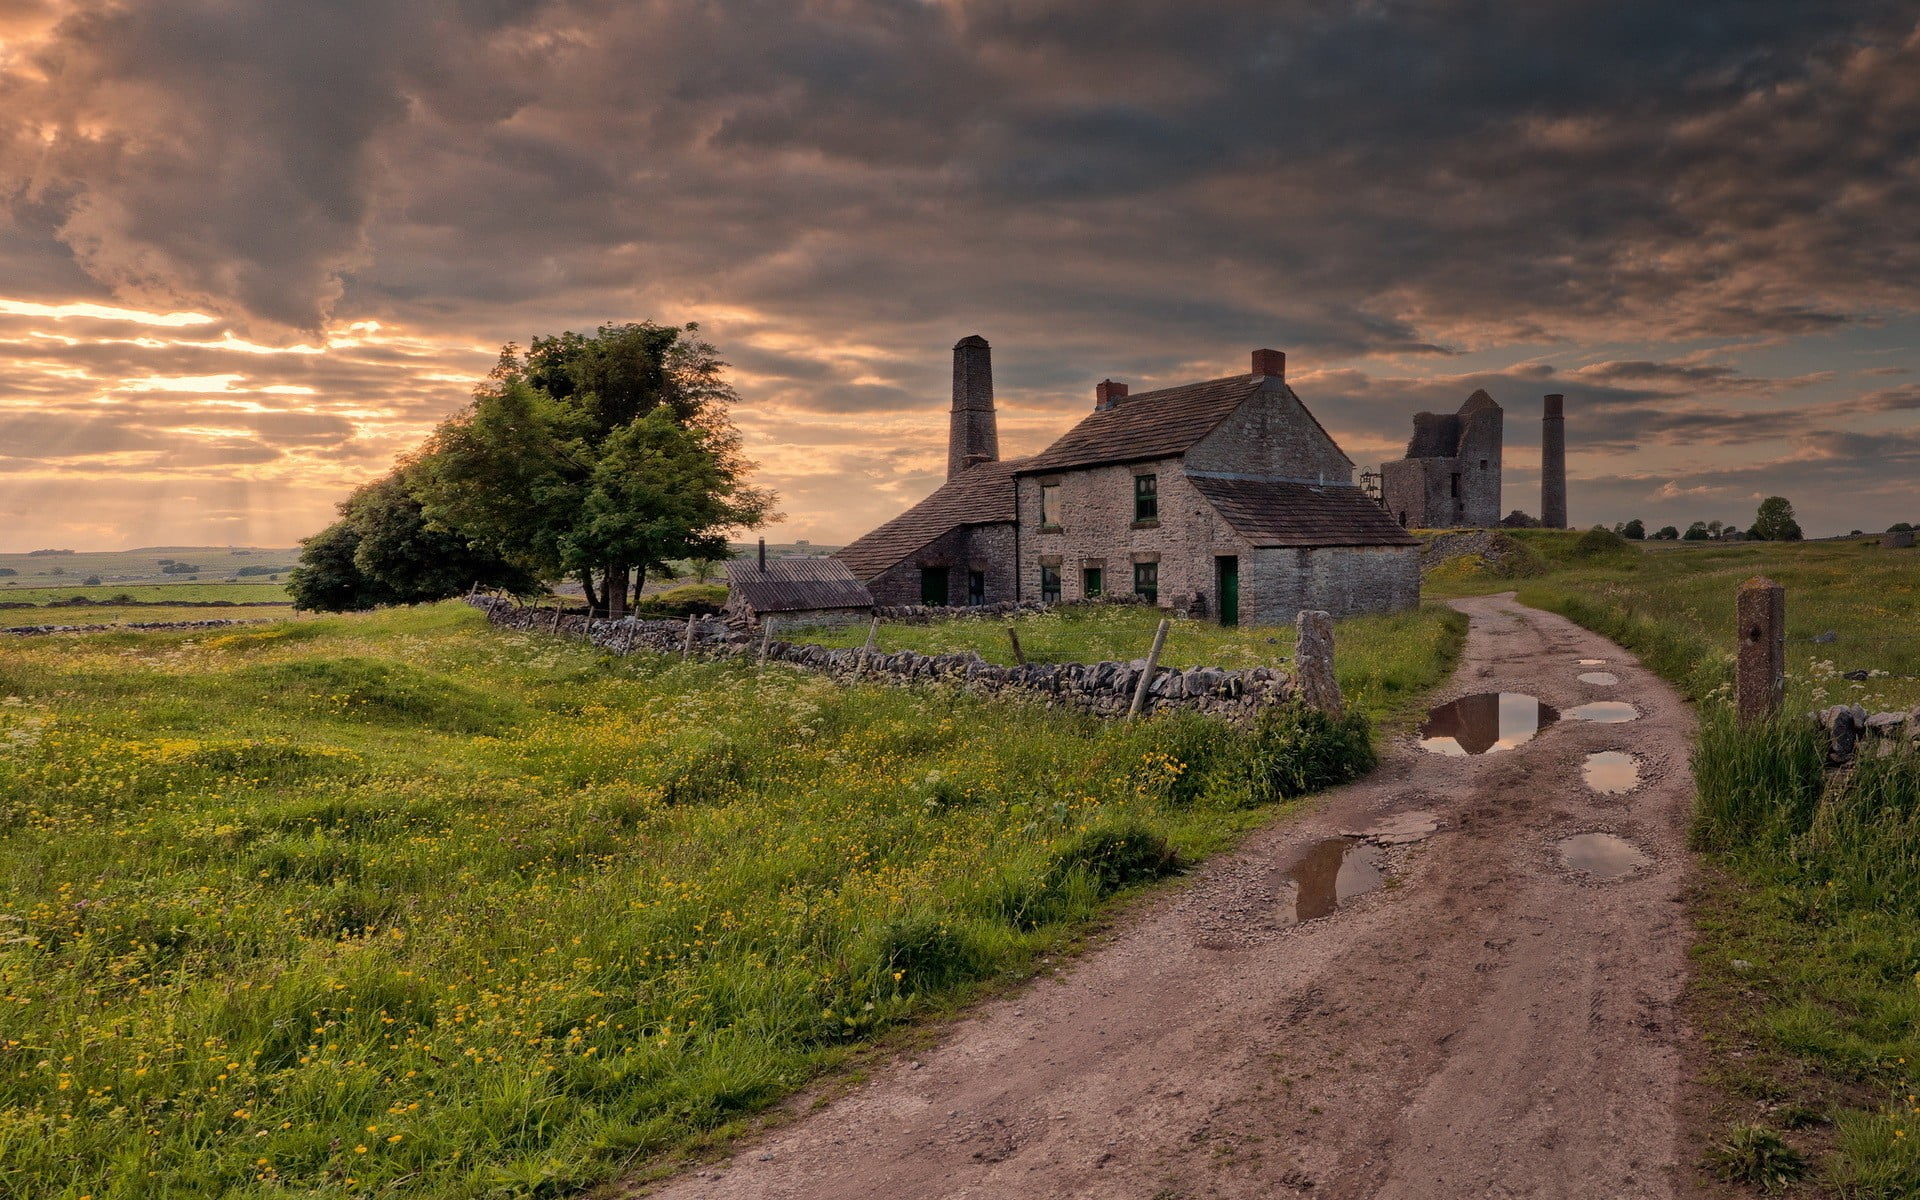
[(250, 251)]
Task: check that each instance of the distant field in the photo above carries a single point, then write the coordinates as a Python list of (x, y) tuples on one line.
[(126, 614), (145, 566), (163, 593)]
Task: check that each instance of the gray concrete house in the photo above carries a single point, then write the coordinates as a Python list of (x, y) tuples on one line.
[(1225, 497), (798, 590), (1450, 477)]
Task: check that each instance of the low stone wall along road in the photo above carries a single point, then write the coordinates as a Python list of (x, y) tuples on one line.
[(1456, 978)]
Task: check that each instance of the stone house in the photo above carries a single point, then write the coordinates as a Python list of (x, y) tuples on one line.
[(1450, 477), (1225, 497), (798, 590)]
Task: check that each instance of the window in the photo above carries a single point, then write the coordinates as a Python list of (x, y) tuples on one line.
[(1146, 497), (1483, 464), (1456, 483), (976, 587), (1050, 506), (1091, 582), (1146, 579), (933, 585), (1050, 585)]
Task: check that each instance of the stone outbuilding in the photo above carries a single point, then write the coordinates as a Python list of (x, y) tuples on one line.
[(1450, 478), (797, 589), (1225, 497)]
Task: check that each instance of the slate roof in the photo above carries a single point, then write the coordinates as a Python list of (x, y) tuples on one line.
[(980, 495), (796, 583), (1301, 514), (1147, 425)]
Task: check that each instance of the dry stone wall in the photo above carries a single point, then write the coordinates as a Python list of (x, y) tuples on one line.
[(1103, 689)]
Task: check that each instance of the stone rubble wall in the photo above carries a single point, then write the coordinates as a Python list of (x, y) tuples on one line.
[(25, 630), (1103, 689), (1852, 731), (927, 614)]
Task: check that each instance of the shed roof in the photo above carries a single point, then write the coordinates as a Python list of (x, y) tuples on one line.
[(796, 583), (1301, 514), (980, 495), (1147, 425)]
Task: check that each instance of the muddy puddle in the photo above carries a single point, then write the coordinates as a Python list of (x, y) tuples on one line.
[(1604, 712), (1602, 678), (1334, 871), (1611, 772), (1485, 723), (1590, 662), (1601, 856)]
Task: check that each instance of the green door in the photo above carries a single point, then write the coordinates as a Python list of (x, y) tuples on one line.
[(933, 586), (1228, 569)]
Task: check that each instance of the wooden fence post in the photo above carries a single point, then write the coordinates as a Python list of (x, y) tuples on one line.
[(686, 647), (626, 644), (1313, 663), (559, 611), (1146, 676), (1019, 656), (873, 637), (766, 639), (1760, 680)]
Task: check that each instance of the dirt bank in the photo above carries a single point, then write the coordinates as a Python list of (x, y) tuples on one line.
[(1486, 1024)]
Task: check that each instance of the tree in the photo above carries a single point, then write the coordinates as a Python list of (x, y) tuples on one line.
[(1668, 534), (1634, 529), (1696, 532), (1775, 521), (384, 551), (1898, 527), (597, 458)]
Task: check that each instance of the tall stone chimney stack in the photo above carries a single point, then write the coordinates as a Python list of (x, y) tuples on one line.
[(1553, 463), (972, 437)]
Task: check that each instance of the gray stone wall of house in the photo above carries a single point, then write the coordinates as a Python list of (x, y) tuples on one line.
[(1413, 490), (1345, 581), (988, 549), (1097, 530), (1450, 477), (1481, 437), (1272, 436)]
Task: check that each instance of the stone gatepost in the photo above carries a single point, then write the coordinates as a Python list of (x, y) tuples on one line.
[(1313, 663), (1760, 681)]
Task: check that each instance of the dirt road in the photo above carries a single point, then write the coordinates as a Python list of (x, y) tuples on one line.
[(1487, 1023)]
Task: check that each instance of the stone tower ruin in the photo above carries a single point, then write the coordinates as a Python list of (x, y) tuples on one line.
[(972, 436), (1553, 463), (1450, 477)]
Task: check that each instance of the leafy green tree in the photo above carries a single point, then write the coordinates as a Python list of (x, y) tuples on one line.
[(1899, 527), (1668, 534), (1775, 521), (1635, 529), (598, 458), (1696, 532), (384, 551)]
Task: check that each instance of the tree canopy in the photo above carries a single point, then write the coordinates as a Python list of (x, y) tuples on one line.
[(1775, 521), (595, 458)]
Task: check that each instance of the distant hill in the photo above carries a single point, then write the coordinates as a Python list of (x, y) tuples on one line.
[(148, 565)]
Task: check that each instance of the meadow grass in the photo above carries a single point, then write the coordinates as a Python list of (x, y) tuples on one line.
[(1807, 987), (246, 591), (1384, 663), (400, 904)]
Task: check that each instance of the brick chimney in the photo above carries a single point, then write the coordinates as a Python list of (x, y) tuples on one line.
[(1553, 462), (1107, 393), (972, 436), (1271, 363)]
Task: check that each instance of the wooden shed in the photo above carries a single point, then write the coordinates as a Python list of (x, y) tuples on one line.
[(798, 590)]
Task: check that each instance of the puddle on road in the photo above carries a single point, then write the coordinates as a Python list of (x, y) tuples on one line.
[(1601, 856), (1590, 662), (1484, 724), (1333, 872), (1603, 678), (1611, 772), (1604, 712)]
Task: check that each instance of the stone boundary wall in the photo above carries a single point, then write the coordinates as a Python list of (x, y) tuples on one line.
[(27, 630), (926, 614), (1103, 689), (1851, 731)]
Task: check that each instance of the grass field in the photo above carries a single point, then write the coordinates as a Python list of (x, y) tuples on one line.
[(397, 904), (1808, 964), (1384, 662), (113, 614), (148, 566)]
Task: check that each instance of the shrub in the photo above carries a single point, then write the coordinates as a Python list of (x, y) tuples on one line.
[(1757, 1156), (1596, 542)]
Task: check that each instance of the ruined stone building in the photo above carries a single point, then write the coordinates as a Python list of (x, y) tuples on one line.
[(1225, 497), (1450, 477)]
